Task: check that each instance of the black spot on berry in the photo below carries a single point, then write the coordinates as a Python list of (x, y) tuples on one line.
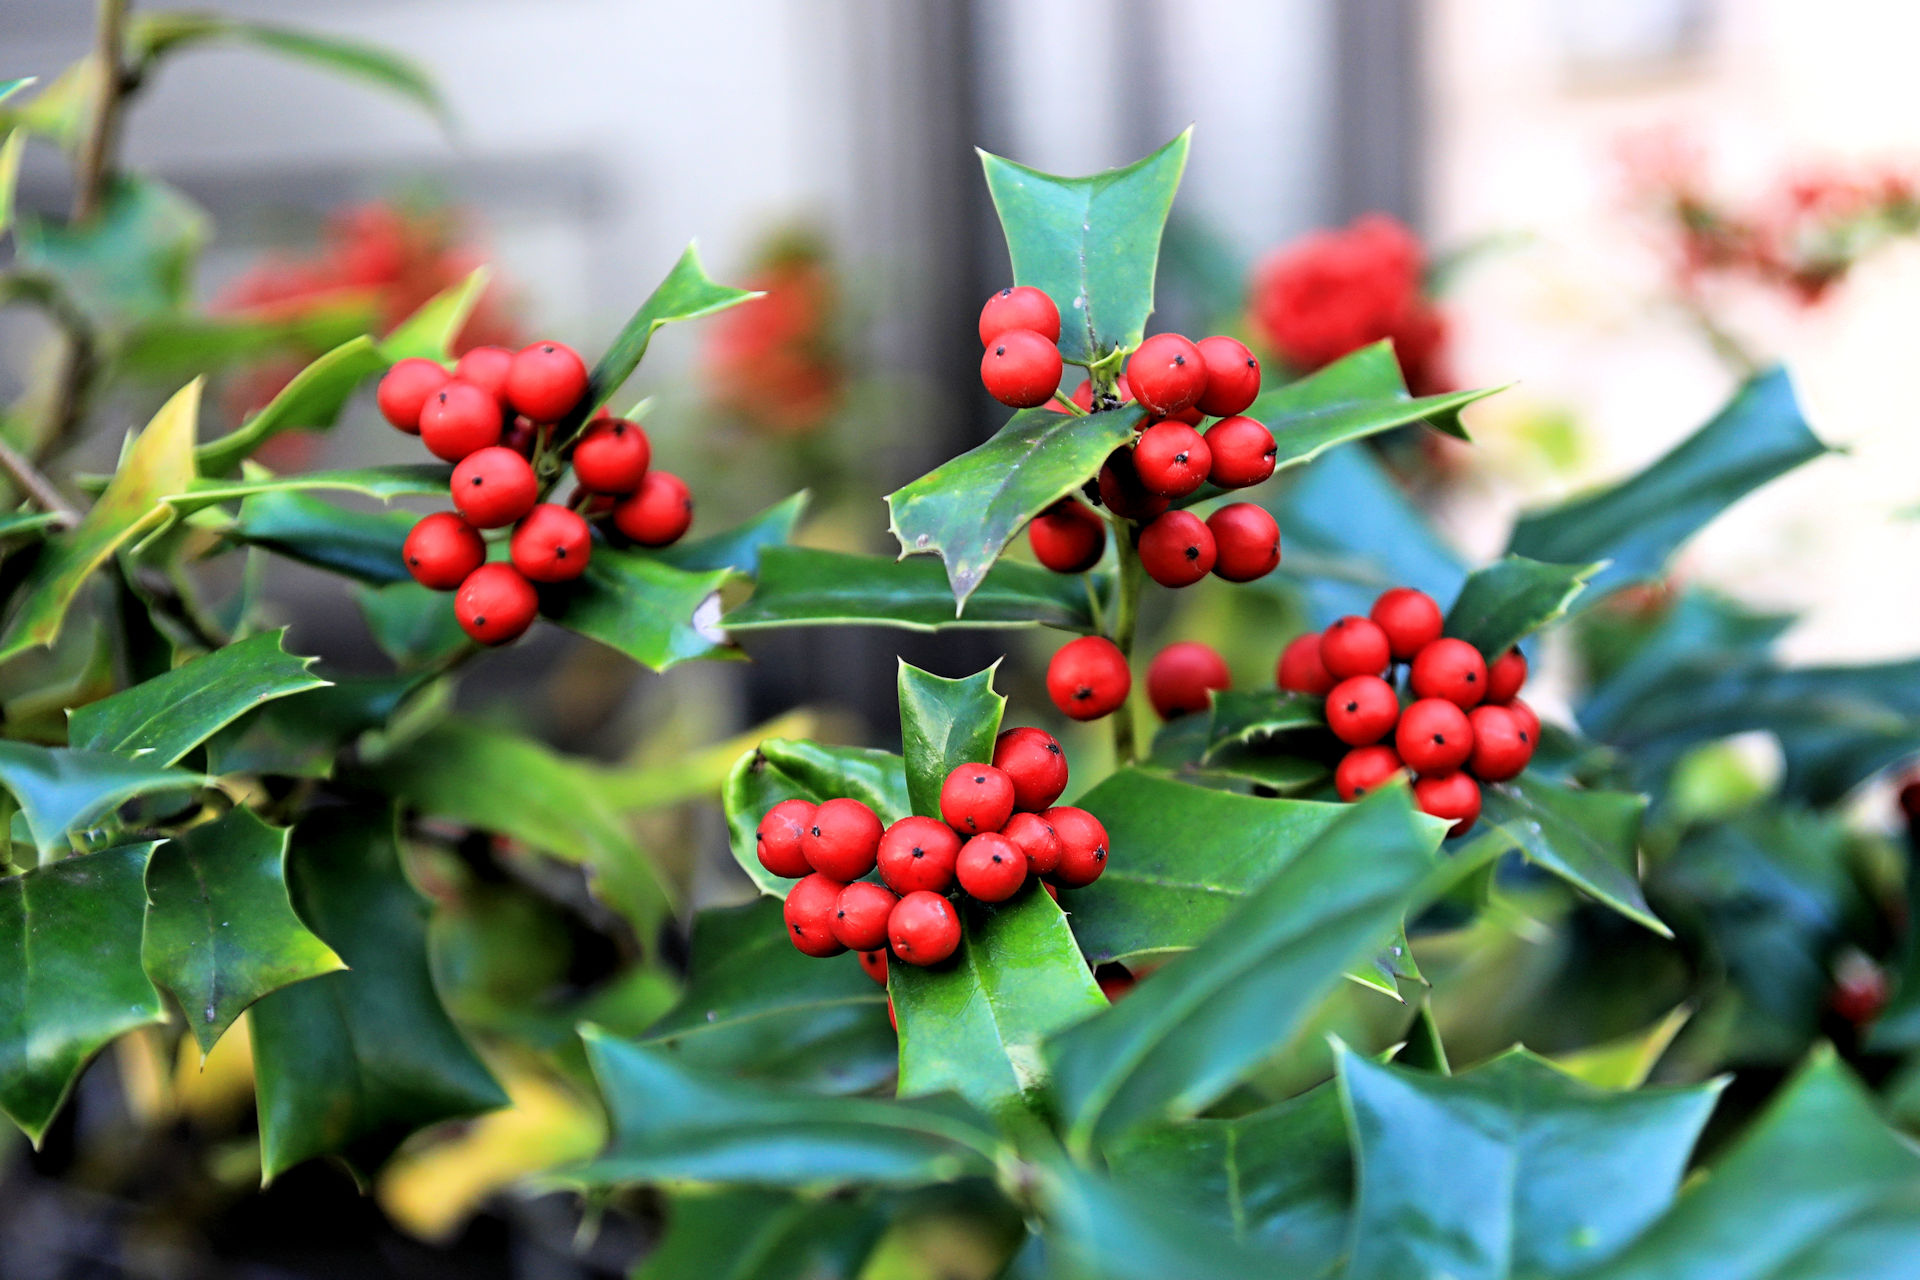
[(1353, 706), (1472, 678), (1000, 350), (1054, 747), (1193, 553), (476, 482), (1180, 458), (816, 833), (1440, 739), (919, 852), (1179, 362), (480, 621), (1082, 693), (560, 553)]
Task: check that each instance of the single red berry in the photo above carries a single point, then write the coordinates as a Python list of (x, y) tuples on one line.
[(486, 368), (658, 512), (1083, 846), (843, 840), (1121, 490), (1362, 710), (546, 381), (1167, 374), (918, 853), (991, 868), (1300, 669), (923, 929), (1505, 675), (1860, 989), (976, 798), (612, 456), (553, 544), (1182, 677), (1171, 459), (776, 841), (405, 389), (495, 604), (874, 965), (1354, 646), (1450, 669), (1499, 750), (1115, 980), (1243, 452), (1434, 737), (860, 916), (1411, 620), (1088, 678), (1176, 549), (459, 419), (494, 486), (1233, 376), (1032, 758), (1021, 368), (1453, 796), (442, 550), (1529, 722), (1020, 307), (809, 912), (1037, 839), (1068, 537), (1365, 769), (1246, 542)]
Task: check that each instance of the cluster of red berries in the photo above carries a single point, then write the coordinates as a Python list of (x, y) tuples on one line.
[(998, 828), (491, 417), (1464, 722)]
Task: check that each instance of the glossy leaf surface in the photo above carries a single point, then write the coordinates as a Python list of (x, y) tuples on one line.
[(943, 725), (656, 614), (59, 790), (806, 587), (1590, 839), (686, 294), (1356, 396), (744, 1233), (364, 545), (788, 769), (312, 401), (1512, 598), (739, 548)]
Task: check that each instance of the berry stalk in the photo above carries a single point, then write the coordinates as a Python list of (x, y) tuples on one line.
[(1128, 577)]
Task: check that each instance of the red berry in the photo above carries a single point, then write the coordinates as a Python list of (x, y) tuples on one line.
[(1434, 737), (442, 550), (1122, 492), (553, 544), (1088, 678), (1182, 676), (1860, 989), (1068, 537), (486, 368), (918, 853), (1246, 542), (1411, 620), (1365, 769), (1037, 839), (459, 419), (1176, 549), (1499, 750), (809, 912), (860, 916), (1115, 980), (1300, 669), (976, 798), (843, 841), (1233, 376), (1083, 846), (658, 512), (612, 456), (1354, 646), (546, 381), (991, 868), (1171, 459), (874, 965), (776, 841), (1529, 722), (1032, 758), (1243, 452), (405, 389), (923, 928), (1450, 669), (521, 437), (1505, 675), (1020, 307), (495, 604), (1167, 374), (1362, 710), (1021, 368), (494, 486), (1454, 796)]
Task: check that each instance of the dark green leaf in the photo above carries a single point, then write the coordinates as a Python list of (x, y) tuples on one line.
[(1590, 839), (21, 524), (365, 545), (385, 483), (740, 548), (805, 587), (60, 790), (70, 950), (656, 614), (131, 261), (1241, 716), (1359, 395), (412, 625), (1091, 244), (304, 735), (943, 725), (786, 769), (312, 401), (747, 1234), (686, 294), (350, 1063), (1099, 1229), (1699, 625), (221, 932), (1509, 600)]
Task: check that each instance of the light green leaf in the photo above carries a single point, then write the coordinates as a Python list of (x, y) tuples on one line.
[(60, 790), (10, 152), (943, 725), (131, 261), (385, 483), (806, 587), (429, 333), (740, 548), (1512, 598), (788, 769), (1358, 395), (312, 401), (1590, 839), (656, 614), (686, 294)]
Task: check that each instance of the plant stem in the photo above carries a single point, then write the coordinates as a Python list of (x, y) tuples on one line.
[(1126, 616), (36, 486)]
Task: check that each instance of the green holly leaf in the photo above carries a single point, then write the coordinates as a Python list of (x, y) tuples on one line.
[(1699, 627), (161, 719), (656, 614), (794, 769), (1105, 1229), (1511, 1169), (742, 1233), (364, 545), (221, 931), (1512, 598), (350, 1063), (131, 261), (806, 587), (70, 950), (1358, 395), (673, 1124), (967, 509), (1590, 839), (304, 735), (1641, 521), (10, 152), (415, 627), (741, 547), (1091, 244), (170, 348), (943, 725), (411, 479), (429, 333), (1181, 1040), (60, 790), (1249, 716), (686, 294), (312, 401)]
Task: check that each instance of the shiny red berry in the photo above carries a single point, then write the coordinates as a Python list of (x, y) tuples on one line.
[(612, 456), (1505, 676), (1354, 646), (860, 916), (1501, 746), (923, 929), (495, 604), (1411, 620), (776, 841), (1167, 374), (1453, 796), (1033, 759), (1176, 549), (442, 550), (1083, 846), (1434, 737), (493, 487), (1450, 669), (1088, 678), (1529, 722), (1300, 669), (1365, 769), (1020, 307), (459, 419), (991, 868), (843, 840), (553, 544), (1121, 491), (1182, 677), (1233, 376), (918, 853), (1021, 368), (658, 512), (486, 368), (546, 381), (976, 798), (1362, 710), (1243, 452), (1068, 537), (405, 389), (1171, 459), (1037, 839), (809, 912), (1246, 542)]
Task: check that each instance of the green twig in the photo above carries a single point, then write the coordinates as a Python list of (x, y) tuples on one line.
[(1126, 616)]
